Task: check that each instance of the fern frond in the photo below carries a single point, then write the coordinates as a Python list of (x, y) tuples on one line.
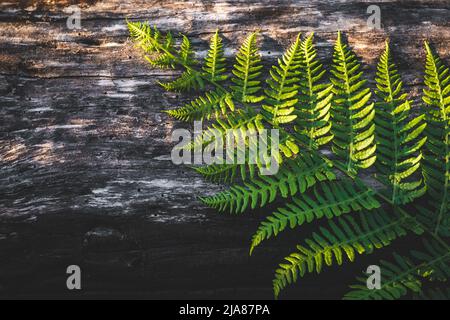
[(436, 162), (214, 64), (399, 139), (346, 238), (246, 72), (295, 176), (405, 275), (186, 52), (352, 111), (204, 107), (315, 99), (186, 82), (151, 41), (282, 88), (327, 200), (228, 173)]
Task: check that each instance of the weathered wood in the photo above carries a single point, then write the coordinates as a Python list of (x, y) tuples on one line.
[(85, 174)]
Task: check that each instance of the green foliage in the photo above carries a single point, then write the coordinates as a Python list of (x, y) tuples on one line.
[(436, 165), (215, 60), (294, 177), (406, 273), (342, 239), (282, 90), (326, 200), (247, 71), (315, 99), (399, 137), (352, 212), (352, 111)]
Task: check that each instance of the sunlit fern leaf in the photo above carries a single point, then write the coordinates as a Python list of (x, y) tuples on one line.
[(154, 43), (399, 137), (144, 36), (352, 111), (214, 64), (295, 176), (405, 274), (326, 200), (436, 164), (281, 94), (186, 53), (345, 238), (315, 99), (247, 71), (186, 82), (228, 173), (433, 294), (212, 103)]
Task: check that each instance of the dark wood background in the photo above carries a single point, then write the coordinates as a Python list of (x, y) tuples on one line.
[(85, 172)]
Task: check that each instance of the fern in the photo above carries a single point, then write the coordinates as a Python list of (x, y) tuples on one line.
[(405, 275), (204, 107), (215, 60), (327, 200), (282, 86), (309, 110), (346, 238), (247, 70), (437, 151), (399, 139), (352, 112), (315, 100), (296, 176)]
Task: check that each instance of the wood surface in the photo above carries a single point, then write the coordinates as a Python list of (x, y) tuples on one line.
[(85, 170)]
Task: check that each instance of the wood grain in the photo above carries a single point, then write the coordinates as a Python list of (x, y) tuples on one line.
[(86, 176)]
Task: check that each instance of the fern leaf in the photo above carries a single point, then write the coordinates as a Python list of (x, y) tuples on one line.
[(186, 52), (397, 136), (213, 102), (405, 275), (283, 86), (215, 61), (436, 162), (186, 82), (327, 200), (315, 101), (352, 111), (295, 176), (346, 238), (246, 72)]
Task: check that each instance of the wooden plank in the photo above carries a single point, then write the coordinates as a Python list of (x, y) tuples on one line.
[(85, 175)]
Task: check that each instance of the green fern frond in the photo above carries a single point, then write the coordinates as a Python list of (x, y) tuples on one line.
[(186, 52), (436, 164), (295, 176), (281, 94), (315, 100), (346, 238), (247, 71), (352, 111), (214, 64), (228, 173), (204, 107), (399, 139), (327, 200), (186, 82), (405, 275)]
